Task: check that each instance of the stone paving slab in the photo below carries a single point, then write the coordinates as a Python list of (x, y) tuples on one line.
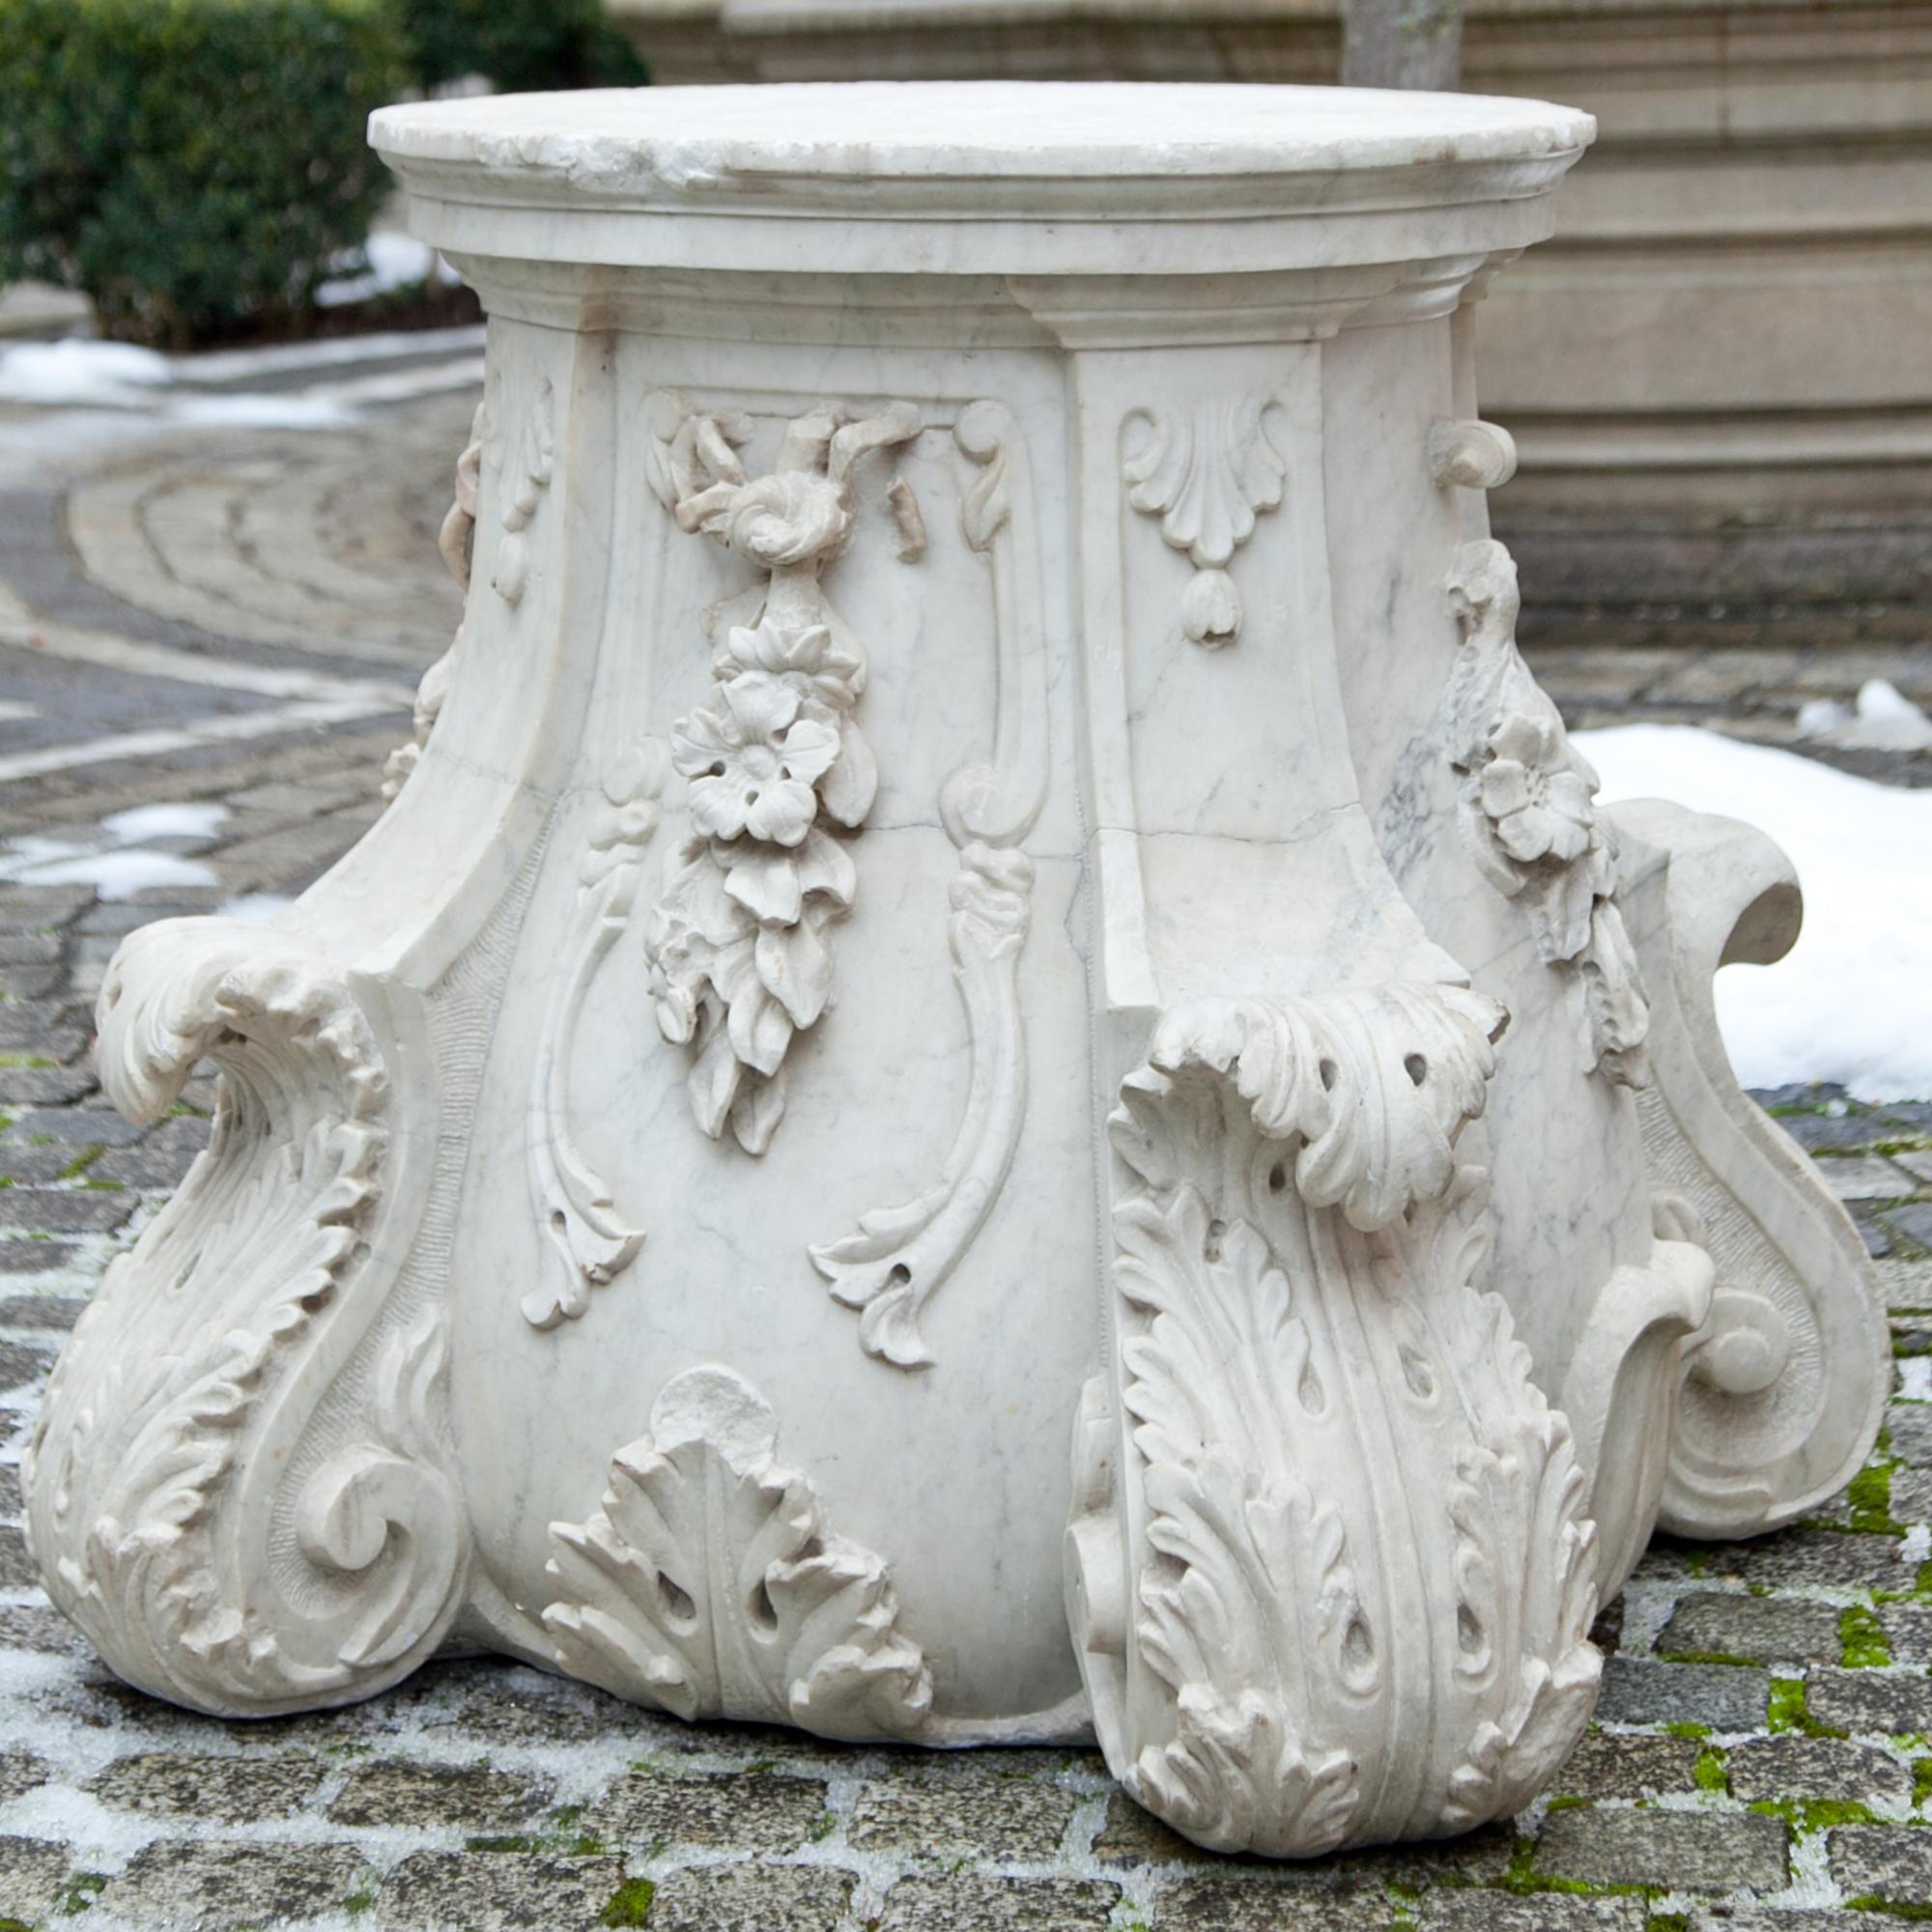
[(1762, 1755)]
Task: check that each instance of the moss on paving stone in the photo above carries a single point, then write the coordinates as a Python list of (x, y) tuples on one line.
[(1866, 1646), (630, 1904), (1787, 1710)]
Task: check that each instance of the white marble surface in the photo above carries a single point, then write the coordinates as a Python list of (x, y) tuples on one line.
[(983, 875)]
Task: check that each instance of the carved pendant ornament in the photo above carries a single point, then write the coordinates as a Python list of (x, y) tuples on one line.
[(1529, 817), (776, 763), (1206, 471), (1161, 1103)]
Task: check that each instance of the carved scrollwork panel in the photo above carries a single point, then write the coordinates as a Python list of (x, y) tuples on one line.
[(592, 1244), (709, 1584), (201, 1365), (1334, 1586), (1526, 806), (1785, 1379), (890, 1265), (776, 765)]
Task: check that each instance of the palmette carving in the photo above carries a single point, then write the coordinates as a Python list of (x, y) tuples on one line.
[(1206, 471), (897, 1257), (708, 1584), (182, 1405), (592, 1244), (1302, 1360), (1528, 814), (737, 943)]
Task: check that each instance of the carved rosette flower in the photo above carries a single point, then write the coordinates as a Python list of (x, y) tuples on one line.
[(753, 762), (1528, 812), (775, 762), (1538, 805)]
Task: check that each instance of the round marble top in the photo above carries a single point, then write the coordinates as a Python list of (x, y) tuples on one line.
[(981, 130), (963, 176)]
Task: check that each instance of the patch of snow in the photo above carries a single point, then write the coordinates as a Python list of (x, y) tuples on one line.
[(117, 862), (252, 908), (120, 875), (1851, 1001), (1883, 720), (76, 371), (141, 822), (394, 261), (230, 365)]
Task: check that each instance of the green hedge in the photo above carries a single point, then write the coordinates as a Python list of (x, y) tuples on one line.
[(191, 164), (518, 45)]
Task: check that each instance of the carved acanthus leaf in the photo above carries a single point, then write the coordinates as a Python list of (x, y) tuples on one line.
[(774, 758), (205, 1339), (709, 1584), (1528, 813), (1289, 1385), (591, 1242), (1205, 471)]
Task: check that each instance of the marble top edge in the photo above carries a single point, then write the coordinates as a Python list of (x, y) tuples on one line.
[(694, 137)]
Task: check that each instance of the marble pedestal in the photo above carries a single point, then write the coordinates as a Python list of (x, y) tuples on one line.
[(983, 877)]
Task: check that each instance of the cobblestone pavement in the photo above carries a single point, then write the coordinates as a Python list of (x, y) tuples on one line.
[(1762, 1757)]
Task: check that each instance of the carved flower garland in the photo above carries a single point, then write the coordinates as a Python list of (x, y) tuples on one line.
[(738, 938), (1528, 812), (773, 757)]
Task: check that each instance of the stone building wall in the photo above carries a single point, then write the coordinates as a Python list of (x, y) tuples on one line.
[(1720, 373)]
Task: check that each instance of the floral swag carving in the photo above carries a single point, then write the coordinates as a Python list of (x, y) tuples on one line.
[(1302, 1359), (187, 1402), (773, 757), (709, 1585), (1528, 815)]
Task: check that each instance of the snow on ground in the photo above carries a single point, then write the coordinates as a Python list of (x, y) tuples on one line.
[(386, 262), (1852, 1001), (80, 373), (118, 860)]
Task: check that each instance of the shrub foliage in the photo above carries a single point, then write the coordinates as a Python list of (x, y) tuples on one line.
[(518, 45), (191, 164)]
